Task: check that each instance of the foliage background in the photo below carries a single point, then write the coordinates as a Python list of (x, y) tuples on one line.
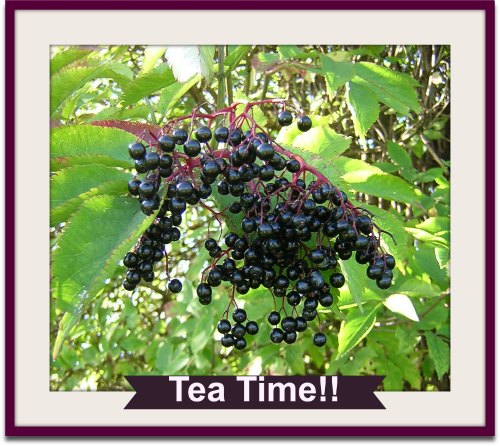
[(381, 133)]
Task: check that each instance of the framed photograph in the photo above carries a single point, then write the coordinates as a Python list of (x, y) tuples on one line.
[(262, 218)]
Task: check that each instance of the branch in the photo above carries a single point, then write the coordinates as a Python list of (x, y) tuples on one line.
[(433, 153), (221, 92)]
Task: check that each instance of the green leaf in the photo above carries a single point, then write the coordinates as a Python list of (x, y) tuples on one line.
[(401, 304), (202, 332), (171, 95), (149, 83), (386, 167), (391, 87), (73, 77), (439, 351), (178, 362), (70, 187), (355, 277), (336, 74), (393, 375), (425, 236), (392, 223), (89, 144), (399, 155), (433, 134), (295, 359), (268, 58), (363, 104), (86, 257), (292, 52), (163, 355), (323, 141), (442, 256), (119, 113), (360, 360), (435, 224), (406, 337), (68, 321), (66, 57), (234, 57), (386, 186), (151, 55), (188, 61), (355, 329), (429, 175), (417, 288)]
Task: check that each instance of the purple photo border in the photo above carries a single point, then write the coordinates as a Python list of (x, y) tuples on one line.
[(11, 429)]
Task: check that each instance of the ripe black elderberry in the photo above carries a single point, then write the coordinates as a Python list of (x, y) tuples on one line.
[(292, 236), (180, 136), (304, 123), (166, 144), (192, 148), (136, 151), (319, 339), (285, 118), (175, 286), (203, 134)]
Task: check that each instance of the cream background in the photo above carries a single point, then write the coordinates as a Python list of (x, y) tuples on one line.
[(36, 30)]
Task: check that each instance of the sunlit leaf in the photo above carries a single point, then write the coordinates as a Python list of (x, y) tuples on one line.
[(188, 61), (401, 304)]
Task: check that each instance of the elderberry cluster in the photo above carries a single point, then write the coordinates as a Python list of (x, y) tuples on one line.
[(294, 225)]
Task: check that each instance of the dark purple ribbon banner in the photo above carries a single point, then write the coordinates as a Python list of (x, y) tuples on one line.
[(254, 392)]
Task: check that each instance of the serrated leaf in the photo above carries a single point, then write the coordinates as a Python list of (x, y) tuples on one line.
[(147, 84), (88, 144), (171, 95), (336, 74), (386, 186), (439, 351), (323, 141), (188, 61), (398, 155), (363, 104), (391, 87), (355, 329), (287, 135), (151, 55), (73, 77), (70, 187), (137, 112), (66, 57), (146, 132), (401, 304), (86, 257)]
